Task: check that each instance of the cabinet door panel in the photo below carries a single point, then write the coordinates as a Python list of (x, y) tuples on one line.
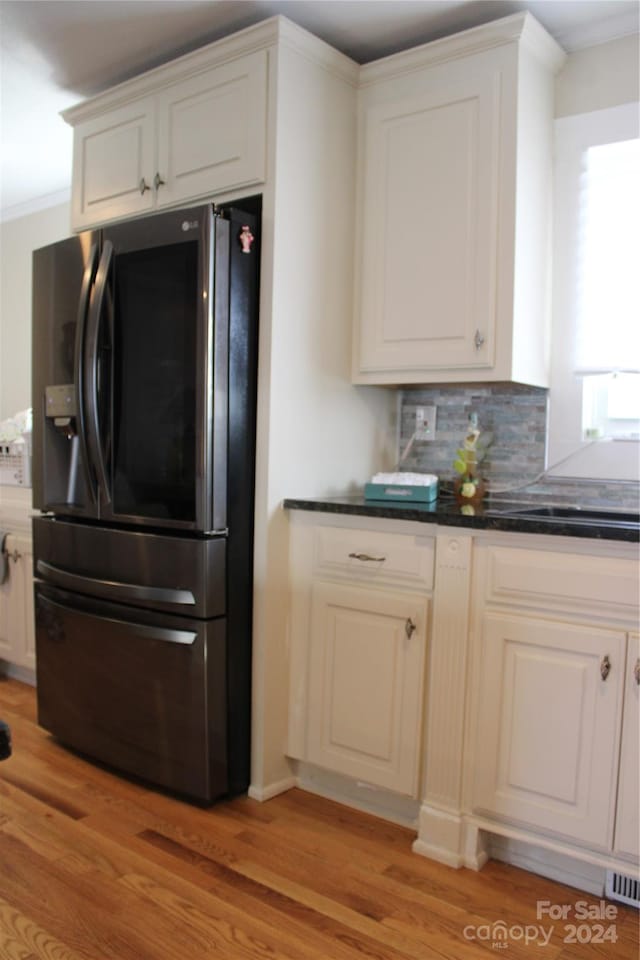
[(7, 590), (212, 130), (112, 155), (17, 641), (429, 231), (627, 839), (547, 726), (365, 686), (28, 656)]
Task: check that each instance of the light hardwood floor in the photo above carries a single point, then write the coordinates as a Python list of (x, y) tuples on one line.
[(95, 867)]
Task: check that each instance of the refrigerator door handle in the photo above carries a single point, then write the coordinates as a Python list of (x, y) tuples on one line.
[(137, 629), (83, 306), (91, 369), (113, 589)]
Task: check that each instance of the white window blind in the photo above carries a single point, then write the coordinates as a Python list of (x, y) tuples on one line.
[(608, 307), (595, 325)]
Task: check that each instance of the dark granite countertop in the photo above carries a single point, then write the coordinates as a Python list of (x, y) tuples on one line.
[(491, 515)]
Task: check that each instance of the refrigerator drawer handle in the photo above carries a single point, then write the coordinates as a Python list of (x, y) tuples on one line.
[(186, 637), (113, 589)]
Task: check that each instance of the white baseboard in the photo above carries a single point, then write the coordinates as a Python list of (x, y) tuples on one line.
[(272, 789), (547, 863), (440, 854), (24, 674), (361, 796)]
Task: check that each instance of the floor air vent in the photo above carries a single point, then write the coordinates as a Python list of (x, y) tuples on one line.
[(624, 889)]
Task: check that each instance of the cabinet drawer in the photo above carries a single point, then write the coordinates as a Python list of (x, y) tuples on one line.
[(563, 580), (393, 559)]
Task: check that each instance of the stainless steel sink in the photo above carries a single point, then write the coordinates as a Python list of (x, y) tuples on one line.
[(609, 518)]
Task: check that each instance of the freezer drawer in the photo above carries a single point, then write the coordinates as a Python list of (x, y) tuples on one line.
[(173, 574), (141, 691)]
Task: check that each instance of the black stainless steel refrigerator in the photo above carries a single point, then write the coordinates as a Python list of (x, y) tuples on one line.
[(144, 395)]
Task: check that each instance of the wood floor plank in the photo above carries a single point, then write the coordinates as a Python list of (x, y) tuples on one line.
[(96, 866), (22, 939)]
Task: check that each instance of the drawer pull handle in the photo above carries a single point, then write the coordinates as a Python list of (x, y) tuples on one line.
[(366, 558), (605, 667), (409, 627), (478, 340), (636, 671)]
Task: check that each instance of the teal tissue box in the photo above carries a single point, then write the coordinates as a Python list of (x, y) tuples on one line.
[(406, 492)]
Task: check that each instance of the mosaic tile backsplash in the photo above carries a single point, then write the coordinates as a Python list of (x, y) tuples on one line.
[(517, 417)]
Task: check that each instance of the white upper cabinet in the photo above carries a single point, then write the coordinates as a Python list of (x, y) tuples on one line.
[(195, 137), (453, 209)]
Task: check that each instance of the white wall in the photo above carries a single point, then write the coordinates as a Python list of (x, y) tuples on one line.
[(605, 75), (18, 239), (318, 435)]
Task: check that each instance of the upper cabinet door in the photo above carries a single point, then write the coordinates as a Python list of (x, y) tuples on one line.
[(212, 131), (114, 164), (454, 188), (428, 230)]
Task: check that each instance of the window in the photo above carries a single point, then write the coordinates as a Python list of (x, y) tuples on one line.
[(595, 369)]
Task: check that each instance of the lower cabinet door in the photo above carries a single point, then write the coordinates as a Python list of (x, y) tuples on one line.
[(366, 681), (627, 839), (16, 604), (548, 726)]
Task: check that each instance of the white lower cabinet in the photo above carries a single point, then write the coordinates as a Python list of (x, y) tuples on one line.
[(359, 620), (627, 838), (548, 723), (17, 631), (553, 717), (523, 720), (365, 684)]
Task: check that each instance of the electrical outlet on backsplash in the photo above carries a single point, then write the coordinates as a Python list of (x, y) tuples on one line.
[(516, 415)]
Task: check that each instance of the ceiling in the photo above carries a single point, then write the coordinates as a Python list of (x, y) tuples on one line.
[(54, 53)]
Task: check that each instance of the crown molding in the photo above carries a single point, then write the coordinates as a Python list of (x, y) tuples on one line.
[(520, 27)]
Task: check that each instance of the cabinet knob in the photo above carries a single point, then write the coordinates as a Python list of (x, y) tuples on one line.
[(409, 627), (143, 186), (636, 671), (158, 181), (15, 555), (478, 339), (605, 667)]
